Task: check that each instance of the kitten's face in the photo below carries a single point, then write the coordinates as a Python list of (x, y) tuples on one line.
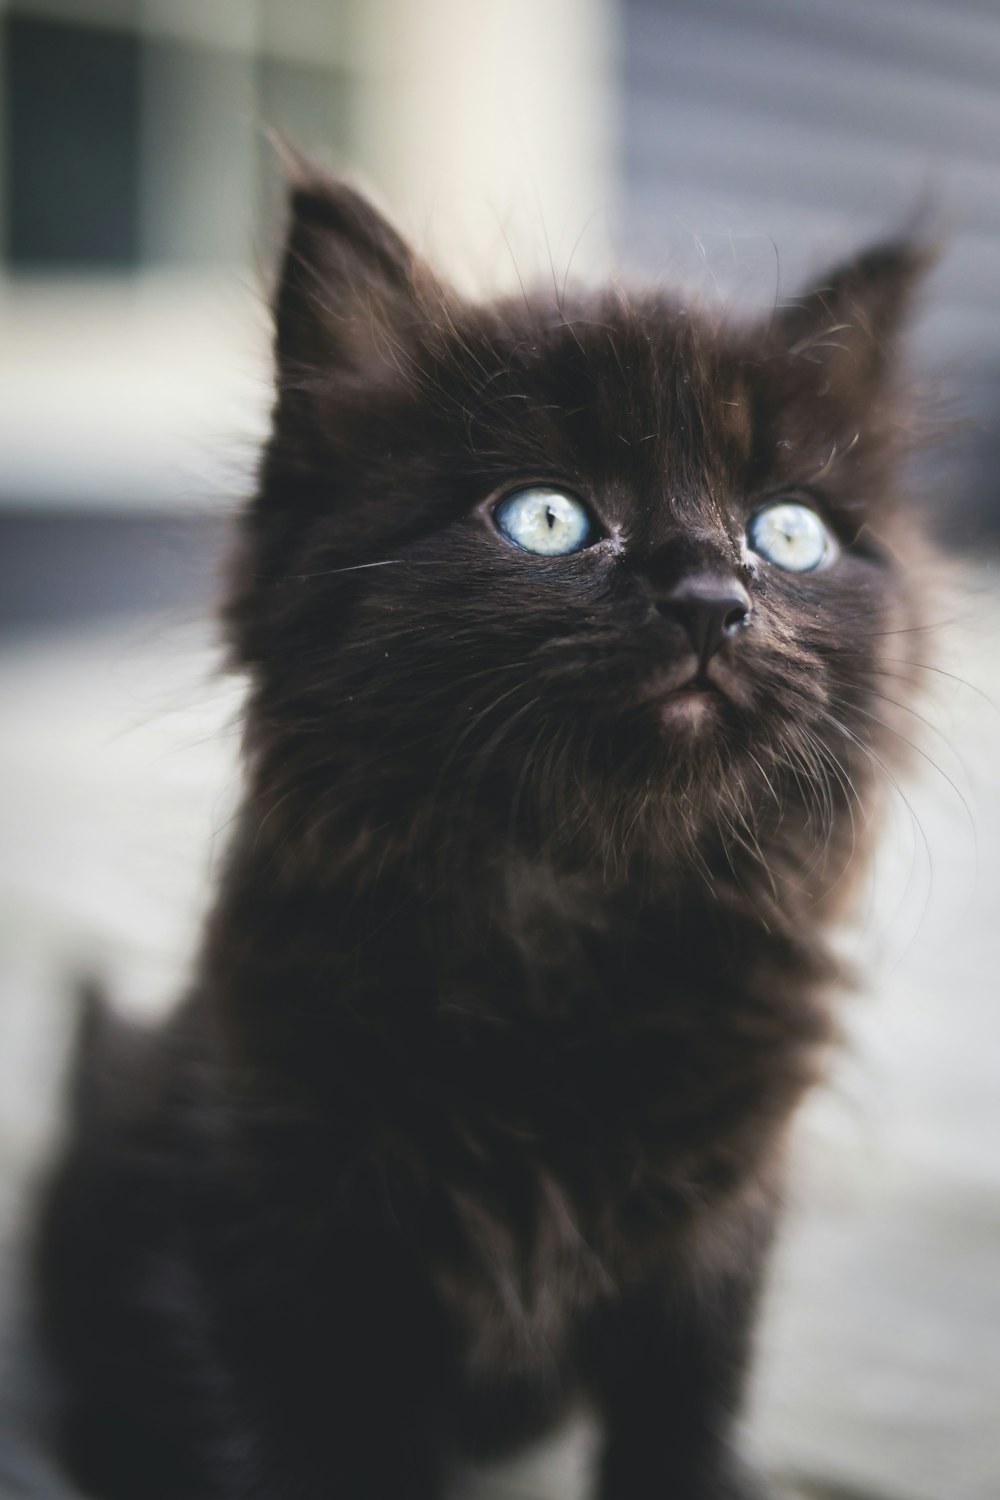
[(608, 570)]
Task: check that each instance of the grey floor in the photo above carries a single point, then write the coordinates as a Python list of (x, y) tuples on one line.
[(880, 1353)]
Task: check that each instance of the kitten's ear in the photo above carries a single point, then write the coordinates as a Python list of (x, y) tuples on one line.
[(849, 324), (350, 286)]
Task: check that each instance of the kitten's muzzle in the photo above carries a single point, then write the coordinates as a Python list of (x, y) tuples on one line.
[(710, 608)]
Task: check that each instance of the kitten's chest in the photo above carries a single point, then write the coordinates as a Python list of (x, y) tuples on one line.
[(581, 1172), (518, 1272)]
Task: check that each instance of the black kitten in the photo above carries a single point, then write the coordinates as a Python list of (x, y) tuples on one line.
[(565, 622)]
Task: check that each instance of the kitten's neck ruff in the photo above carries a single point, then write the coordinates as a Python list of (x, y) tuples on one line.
[(698, 830), (480, 935), (643, 1051)]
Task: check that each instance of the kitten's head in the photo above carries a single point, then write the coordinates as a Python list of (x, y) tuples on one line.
[(597, 573)]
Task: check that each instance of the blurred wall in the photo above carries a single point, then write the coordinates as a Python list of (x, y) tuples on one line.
[(140, 208), (737, 143), (762, 140)]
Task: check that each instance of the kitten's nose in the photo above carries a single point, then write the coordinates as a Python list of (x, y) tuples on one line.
[(710, 607)]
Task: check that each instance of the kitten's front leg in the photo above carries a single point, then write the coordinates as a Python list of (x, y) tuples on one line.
[(667, 1366)]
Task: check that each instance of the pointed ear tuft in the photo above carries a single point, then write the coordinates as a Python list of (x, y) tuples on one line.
[(849, 324), (346, 275)]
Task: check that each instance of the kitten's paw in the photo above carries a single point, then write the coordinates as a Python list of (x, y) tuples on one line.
[(740, 1482), (737, 1481)]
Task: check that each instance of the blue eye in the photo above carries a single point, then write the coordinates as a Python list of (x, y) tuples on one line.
[(792, 536), (545, 521)]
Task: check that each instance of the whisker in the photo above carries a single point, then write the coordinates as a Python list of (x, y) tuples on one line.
[(875, 718), (916, 824)]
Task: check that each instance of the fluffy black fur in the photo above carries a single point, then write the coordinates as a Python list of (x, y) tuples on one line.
[(517, 972)]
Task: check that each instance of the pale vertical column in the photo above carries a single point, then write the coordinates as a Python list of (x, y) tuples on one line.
[(489, 127)]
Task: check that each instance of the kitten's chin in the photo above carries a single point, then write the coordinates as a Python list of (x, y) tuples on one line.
[(690, 711)]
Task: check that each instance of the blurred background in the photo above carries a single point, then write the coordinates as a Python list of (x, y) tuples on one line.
[(736, 145)]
